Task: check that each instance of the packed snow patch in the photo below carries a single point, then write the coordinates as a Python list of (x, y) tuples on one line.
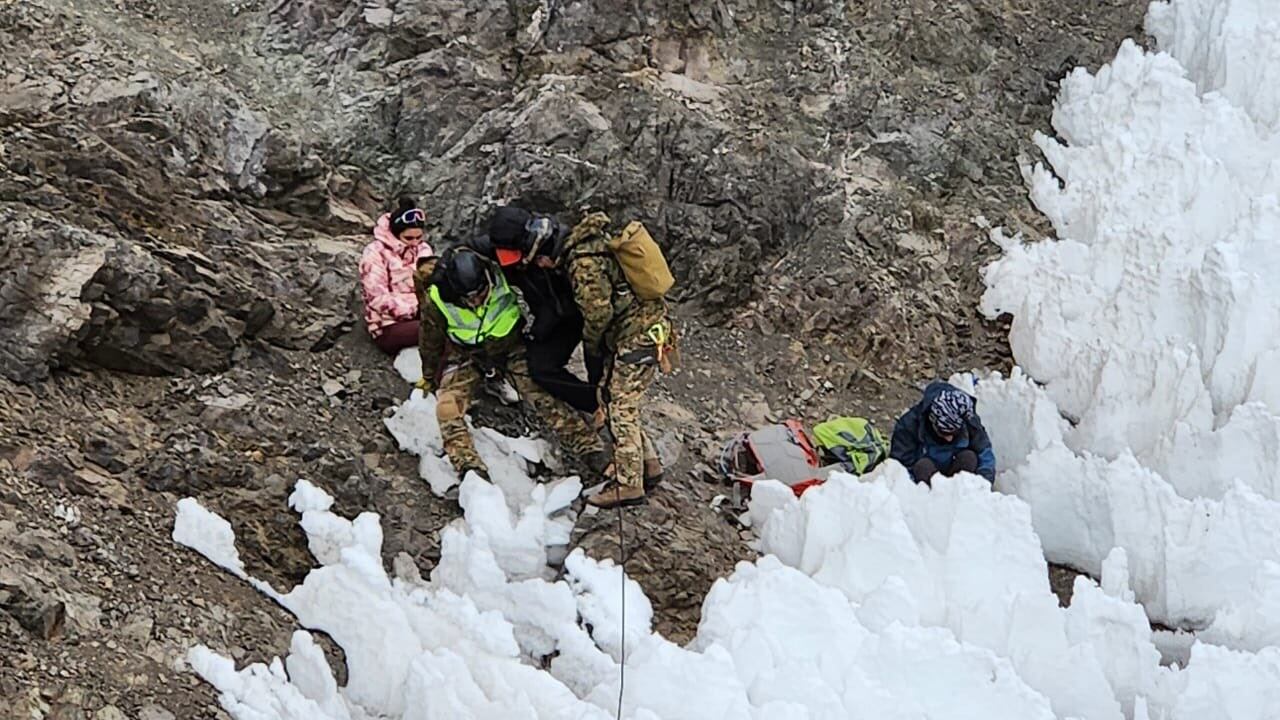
[(409, 364), (1145, 412), (1227, 46), (208, 534), (875, 597), (933, 605)]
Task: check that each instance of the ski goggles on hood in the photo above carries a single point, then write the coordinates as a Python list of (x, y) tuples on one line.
[(411, 218)]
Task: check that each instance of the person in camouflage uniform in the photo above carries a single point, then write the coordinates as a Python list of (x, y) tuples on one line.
[(471, 325), (621, 327)]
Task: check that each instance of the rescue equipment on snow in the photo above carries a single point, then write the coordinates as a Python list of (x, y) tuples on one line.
[(781, 452), (787, 453)]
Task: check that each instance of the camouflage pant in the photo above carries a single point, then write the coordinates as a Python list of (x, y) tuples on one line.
[(454, 396), (627, 384)]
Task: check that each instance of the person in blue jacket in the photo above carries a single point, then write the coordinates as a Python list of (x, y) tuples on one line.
[(943, 434)]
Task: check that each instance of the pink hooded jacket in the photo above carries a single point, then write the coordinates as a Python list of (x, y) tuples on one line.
[(386, 277)]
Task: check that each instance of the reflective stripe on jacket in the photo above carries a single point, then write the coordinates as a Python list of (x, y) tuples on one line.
[(495, 319)]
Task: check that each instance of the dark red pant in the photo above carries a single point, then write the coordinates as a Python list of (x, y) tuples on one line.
[(397, 337)]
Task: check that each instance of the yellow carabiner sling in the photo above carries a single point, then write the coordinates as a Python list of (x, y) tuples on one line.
[(663, 342)]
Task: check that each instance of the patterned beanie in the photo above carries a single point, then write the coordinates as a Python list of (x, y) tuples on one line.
[(950, 410)]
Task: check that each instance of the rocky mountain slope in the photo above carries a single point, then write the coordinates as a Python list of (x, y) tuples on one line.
[(184, 188)]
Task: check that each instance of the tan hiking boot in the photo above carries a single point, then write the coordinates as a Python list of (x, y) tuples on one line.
[(652, 474), (614, 495)]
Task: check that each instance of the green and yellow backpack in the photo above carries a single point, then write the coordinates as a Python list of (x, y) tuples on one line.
[(853, 441)]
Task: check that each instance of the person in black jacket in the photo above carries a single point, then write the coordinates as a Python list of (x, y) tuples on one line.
[(525, 246), (943, 434)]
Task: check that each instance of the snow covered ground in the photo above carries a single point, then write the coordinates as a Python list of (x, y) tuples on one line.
[(878, 598), (1150, 323)]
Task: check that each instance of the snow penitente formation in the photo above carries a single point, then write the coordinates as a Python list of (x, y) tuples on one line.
[(424, 360)]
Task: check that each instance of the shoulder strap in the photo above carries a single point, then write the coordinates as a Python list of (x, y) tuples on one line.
[(579, 252)]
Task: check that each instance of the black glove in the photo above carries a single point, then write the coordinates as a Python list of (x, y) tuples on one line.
[(595, 366)]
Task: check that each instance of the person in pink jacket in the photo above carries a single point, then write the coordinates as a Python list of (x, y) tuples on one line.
[(386, 276)]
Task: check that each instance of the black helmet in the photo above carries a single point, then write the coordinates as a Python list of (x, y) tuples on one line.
[(517, 235), (467, 274)]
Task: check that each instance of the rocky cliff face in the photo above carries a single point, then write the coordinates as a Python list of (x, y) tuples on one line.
[(185, 186)]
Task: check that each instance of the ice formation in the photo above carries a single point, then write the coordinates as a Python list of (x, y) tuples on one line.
[(876, 598), (1227, 46), (1147, 324), (208, 534), (1145, 451), (409, 364)]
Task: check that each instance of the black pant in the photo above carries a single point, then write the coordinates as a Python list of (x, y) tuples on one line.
[(547, 361), (964, 461)]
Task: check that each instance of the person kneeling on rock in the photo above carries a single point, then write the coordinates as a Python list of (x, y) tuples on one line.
[(943, 434), (471, 326), (526, 246)]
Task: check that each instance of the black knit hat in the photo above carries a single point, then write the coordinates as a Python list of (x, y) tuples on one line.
[(508, 227), (407, 215)]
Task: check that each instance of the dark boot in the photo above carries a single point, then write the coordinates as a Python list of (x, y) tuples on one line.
[(597, 461), (614, 495), (652, 474)]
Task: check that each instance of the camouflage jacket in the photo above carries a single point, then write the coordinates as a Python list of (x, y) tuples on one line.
[(613, 317), (434, 346)]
